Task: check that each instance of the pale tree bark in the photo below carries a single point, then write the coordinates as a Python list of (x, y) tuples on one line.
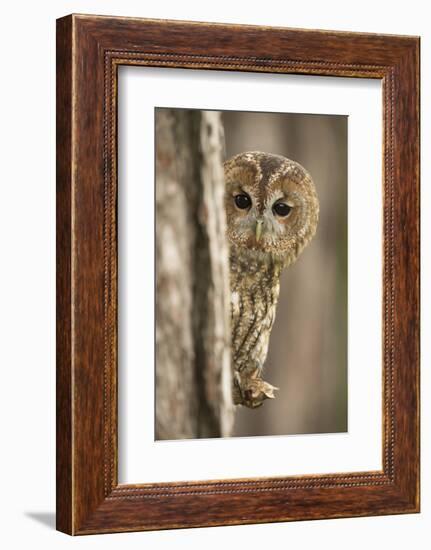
[(193, 377)]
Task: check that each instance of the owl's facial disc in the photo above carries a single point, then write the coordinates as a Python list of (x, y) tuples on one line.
[(257, 223), (271, 205)]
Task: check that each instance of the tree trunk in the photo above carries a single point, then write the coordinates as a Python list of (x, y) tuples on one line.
[(193, 377)]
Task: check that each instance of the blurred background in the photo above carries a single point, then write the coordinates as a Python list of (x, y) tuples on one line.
[(307, 356)]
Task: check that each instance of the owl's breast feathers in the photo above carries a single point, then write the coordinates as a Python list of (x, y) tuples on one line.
[(254, 293)]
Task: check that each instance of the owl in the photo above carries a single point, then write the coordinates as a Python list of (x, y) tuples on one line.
[(272, 212)]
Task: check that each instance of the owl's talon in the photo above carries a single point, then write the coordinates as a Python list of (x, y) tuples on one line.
[(252, 391)]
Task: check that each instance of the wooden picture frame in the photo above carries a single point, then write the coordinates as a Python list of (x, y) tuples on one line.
[(89, 51)]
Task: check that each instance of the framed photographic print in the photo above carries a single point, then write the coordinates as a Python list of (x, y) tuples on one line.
[(237, 274)]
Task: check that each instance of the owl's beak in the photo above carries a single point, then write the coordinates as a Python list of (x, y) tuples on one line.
[(259, 226)]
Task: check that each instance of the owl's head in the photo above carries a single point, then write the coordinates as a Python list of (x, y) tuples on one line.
[(271, 204)]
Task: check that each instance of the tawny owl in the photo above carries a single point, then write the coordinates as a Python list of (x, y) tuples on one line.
[(272, 211)]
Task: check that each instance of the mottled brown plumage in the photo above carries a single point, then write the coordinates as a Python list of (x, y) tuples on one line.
[(272, 212)]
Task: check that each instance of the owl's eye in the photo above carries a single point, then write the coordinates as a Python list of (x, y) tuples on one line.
[(243, 201), (282, 209)]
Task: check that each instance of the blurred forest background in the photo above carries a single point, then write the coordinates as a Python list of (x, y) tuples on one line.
[(307, 356)]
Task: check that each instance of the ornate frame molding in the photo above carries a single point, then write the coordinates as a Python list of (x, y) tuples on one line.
[(89, 498)]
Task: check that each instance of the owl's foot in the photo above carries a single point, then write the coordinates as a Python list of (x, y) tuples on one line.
[(251, 391)]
